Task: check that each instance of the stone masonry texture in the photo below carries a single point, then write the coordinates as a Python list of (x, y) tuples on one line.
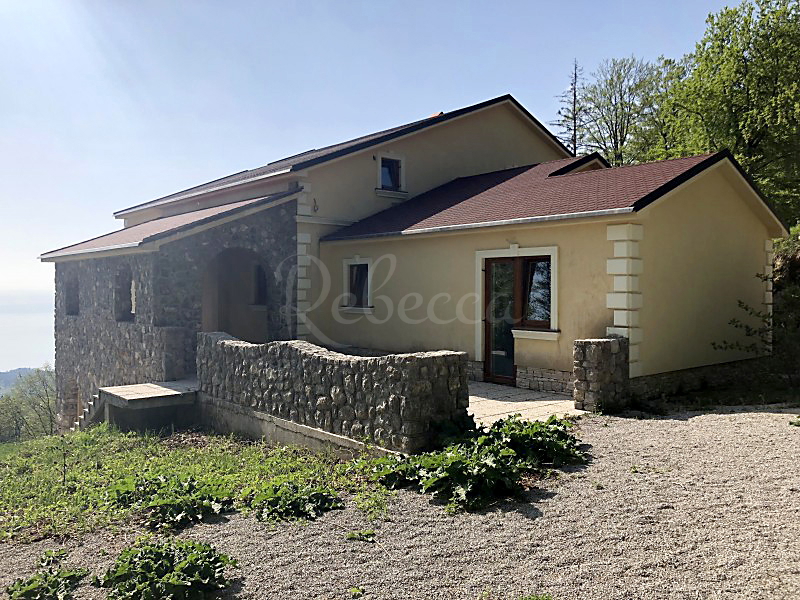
[(95, 350), (395, 401), (601, 374), (545, 380)]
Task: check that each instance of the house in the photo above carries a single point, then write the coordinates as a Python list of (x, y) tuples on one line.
[(473, 230)]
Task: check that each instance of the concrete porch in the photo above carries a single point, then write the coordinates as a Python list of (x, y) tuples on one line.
[(489, 402)]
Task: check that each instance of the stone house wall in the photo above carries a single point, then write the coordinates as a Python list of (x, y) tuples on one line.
[(179, 268), (393, 401), (545, 380), (719, 376), (95, 350)]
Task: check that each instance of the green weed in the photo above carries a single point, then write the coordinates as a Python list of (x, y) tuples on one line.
[(367, 535), (49, 583), (112, 476), (486, 465), (167, 570)]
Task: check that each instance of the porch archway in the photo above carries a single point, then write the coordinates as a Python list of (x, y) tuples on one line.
[(235, 295)]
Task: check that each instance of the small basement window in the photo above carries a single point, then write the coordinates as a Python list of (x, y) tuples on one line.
[(357, 284), (71, 297), (390, 174), (124, 295), (259, 286)]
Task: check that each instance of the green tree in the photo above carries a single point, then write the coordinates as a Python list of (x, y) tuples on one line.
[(571, 121), (617, 104), (28, 409), (662, 132), (743, 93)]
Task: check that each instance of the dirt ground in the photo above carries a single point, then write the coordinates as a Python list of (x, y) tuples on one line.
[(694, 505)]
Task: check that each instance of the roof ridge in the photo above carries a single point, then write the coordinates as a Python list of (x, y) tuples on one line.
[(528, 166), (644, 164)]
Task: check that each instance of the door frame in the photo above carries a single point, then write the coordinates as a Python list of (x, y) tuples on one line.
[(513, 251)]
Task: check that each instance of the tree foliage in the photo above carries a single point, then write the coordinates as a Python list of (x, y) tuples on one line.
[(739, 89), (28, 409), (616, 105), (743, 94)]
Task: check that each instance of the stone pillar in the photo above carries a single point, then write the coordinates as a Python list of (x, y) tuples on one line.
[(602, 374)]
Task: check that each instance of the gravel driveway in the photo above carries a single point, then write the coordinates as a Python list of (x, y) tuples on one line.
[(695, 505)]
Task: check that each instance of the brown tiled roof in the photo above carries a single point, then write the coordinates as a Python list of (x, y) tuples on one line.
[(317, 156), (530, 193), (136, 235)]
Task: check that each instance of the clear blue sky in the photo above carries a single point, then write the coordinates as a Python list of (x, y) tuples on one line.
[(110, 103)]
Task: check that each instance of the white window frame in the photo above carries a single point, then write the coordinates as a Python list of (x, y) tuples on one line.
[(346, 263), (403, 191), (514, 251)]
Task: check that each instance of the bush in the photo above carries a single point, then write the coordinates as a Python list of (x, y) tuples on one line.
[(171, 501), (166, 570), (486, 465), (289, 501), (50, 583)]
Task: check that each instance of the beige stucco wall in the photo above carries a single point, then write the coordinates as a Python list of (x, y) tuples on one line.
[(491, 139), (431, 264), (702, 247)]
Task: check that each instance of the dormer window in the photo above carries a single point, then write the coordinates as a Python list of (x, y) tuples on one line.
[(390, 174)]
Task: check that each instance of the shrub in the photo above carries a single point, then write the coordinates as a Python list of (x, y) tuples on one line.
[(290, 501), (49, 583), (166, 570), (171, 501), (486, 465)]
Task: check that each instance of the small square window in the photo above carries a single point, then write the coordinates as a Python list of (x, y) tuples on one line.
[(390, 174), (358, 285)]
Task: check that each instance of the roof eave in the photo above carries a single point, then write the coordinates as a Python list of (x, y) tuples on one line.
[(702, 166), (145, 206), (411, 129), (152, 242), (486, 224)]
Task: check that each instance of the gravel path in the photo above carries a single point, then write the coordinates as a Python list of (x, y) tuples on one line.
[(695, 505)]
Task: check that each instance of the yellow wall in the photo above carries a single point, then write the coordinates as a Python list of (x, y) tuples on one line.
[(430, 264), (497, 137), (494, 138), (702, 248)]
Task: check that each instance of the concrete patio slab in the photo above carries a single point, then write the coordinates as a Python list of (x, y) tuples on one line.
[(489, 402)]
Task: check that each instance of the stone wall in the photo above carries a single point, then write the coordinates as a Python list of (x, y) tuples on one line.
[(179, 268), (394, 401), (675, 383), (475, 370), (601, 371), (94, 349), (545, 380)]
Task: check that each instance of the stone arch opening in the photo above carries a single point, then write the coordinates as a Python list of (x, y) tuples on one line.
[(236, 295)]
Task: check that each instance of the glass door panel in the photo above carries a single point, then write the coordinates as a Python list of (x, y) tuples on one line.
[(499, 315)]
